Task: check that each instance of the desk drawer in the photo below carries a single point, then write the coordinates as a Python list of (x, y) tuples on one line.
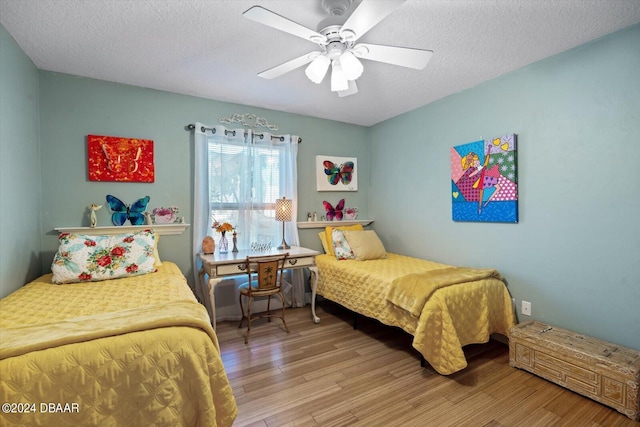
[(238, 268), (230, 269), (300, 262)]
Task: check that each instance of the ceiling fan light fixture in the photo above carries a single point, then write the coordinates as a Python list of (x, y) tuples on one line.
[(351, 66), (338, 80), (337, 36), (317, 69)]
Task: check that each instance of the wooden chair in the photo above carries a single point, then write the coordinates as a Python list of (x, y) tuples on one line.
[(267, 283)]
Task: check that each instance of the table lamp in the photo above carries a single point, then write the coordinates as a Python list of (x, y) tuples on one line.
[(284, 209)]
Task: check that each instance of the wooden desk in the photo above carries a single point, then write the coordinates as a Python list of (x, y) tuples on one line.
[(218, 266)]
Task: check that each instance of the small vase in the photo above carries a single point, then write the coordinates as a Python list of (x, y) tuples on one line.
[(223, 244), (235, 242)]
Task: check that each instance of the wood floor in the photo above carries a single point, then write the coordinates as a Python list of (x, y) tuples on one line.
[(331, 375)]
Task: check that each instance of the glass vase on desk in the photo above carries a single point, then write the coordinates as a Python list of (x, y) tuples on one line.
[(223, 244)]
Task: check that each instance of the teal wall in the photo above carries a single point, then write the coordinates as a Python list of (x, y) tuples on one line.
[(20, 202), (73, 107), (575, 254)]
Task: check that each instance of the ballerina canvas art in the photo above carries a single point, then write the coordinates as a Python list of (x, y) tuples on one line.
[(484, 181)]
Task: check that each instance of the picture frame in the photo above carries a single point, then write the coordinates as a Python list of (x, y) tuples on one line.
[(484, 180), (113, 158), (336, 173)]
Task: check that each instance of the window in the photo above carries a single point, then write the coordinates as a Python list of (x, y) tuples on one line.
[(244, 183), (239, 182)]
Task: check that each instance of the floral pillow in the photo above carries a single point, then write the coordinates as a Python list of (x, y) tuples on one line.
[(340, 245), (86, 258), (329, 231)]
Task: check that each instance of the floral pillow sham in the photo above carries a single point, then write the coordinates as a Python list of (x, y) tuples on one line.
[(88, 258), (340, 245)]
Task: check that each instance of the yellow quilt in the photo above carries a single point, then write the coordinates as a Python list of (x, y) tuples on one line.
[(411, 292), (453, 315), (134, 351)]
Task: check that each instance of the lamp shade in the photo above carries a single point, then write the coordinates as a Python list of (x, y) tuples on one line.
[(317, 69), (284, 209), (351, 66), (338, 80)]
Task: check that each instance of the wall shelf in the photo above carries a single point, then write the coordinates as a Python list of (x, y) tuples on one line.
[(162, 229), (323, 224)]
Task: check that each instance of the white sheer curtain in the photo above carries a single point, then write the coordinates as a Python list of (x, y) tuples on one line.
[(238, 176)]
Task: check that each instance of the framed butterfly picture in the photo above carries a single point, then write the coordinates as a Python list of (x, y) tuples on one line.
[(113, 158), (336, 173)]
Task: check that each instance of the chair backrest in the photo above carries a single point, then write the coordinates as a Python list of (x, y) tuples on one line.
[(269, 270)]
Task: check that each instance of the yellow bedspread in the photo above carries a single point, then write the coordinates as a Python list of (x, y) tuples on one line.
[(134, 351), (411, 292), (452, 317)]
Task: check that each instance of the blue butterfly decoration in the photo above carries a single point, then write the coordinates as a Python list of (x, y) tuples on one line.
[(122, 212)]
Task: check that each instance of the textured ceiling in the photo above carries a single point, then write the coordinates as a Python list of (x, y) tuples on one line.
[(206, 48)]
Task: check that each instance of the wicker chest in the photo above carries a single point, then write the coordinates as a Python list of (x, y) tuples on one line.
[(602, 371)]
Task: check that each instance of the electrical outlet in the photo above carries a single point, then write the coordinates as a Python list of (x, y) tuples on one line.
[(526, 308)]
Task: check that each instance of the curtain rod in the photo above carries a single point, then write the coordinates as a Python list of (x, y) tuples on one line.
[(191, 126)]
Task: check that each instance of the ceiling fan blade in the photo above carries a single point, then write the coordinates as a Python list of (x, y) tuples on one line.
[(281, 69), (271, 19), (353, 89), (367, 15), (402, 56)]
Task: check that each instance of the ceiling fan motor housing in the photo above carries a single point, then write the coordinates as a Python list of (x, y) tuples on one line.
[(336, 7), (337, 11), (335, 43)]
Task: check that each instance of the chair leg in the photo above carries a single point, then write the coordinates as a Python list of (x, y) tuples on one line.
[(286, 328), (246, 334), (242, 311), (269, 308)]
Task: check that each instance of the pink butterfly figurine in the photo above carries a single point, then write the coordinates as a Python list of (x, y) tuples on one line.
[(334, 214)]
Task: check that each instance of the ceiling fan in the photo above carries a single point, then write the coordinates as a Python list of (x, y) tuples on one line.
[(337, 42)]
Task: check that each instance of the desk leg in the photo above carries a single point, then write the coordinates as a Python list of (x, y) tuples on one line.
[(204, 292), (213, 281), (314, 284)]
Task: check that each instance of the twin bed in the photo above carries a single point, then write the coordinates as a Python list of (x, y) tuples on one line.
[(140, 349), (443, 307), (137, 350)]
